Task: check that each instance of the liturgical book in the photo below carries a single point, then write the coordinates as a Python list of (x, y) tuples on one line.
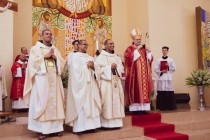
[(163, 65)]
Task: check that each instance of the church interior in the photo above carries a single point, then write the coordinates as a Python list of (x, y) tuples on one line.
[(169, 23)]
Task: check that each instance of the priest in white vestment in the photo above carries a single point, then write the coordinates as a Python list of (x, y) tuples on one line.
[(43, 89), (83, 104), (164, 69), (3, 90), (110, 70)]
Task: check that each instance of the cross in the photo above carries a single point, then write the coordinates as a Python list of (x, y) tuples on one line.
[(14, 6)]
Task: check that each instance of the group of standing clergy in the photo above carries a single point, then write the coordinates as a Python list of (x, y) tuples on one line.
[(95, 96)]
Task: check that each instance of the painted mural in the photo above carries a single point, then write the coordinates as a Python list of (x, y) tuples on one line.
[(203, 37), (205, 34), (70, 20)]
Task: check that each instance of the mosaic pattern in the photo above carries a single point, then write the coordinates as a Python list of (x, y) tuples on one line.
[(205, 38), (73, 19)]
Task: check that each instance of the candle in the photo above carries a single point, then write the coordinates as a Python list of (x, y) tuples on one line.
[(75, 6), (97, 47)]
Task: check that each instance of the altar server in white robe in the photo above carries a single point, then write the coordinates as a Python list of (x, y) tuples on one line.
[(164, 69), (43, 89), (83, 100), (112, 95), (3, 90)]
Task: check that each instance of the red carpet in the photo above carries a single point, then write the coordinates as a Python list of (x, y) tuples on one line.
[(155, 129)]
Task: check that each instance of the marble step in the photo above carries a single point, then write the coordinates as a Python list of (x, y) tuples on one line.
[(3, 114), (186, 116), (198, 134), (19, 128), (191, 126), (138, 138), (66, 137), (122, 133), (188, 121)]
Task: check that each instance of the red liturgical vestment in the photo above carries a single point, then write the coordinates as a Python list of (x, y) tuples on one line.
[(138, 84), (18, 75)]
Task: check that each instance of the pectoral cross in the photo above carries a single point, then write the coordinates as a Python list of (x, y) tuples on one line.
[(14, 6), (115, 85)]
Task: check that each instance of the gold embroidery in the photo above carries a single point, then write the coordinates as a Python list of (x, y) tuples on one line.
[(49, 62), (116, 97)]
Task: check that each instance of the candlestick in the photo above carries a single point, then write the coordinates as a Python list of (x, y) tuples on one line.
[(97, 46)]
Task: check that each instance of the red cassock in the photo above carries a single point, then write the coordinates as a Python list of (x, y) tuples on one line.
[(17, 58), (138, 84), (18, 82)]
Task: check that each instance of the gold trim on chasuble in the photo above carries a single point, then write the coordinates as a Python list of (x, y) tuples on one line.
[(49, 62), (116, 98), (19, 87), (51, 110), (142, 75)]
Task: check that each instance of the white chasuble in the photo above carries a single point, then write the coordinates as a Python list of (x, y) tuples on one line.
[(43, 90), (111, 90), (83, 103)]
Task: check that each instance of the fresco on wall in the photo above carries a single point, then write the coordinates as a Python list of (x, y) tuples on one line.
[(70, 20), (203, 36)]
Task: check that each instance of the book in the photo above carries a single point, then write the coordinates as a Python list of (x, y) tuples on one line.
[(163, 65), (19, 72)]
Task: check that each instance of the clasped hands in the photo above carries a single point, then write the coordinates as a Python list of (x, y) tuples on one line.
[(23, 66), (50, 55), (90, 64), (165, 70), (114, 66)]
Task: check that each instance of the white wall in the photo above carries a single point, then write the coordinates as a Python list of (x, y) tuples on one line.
[(120, 25), (138, 18), (22, 26), (6, 48), (173, 23)]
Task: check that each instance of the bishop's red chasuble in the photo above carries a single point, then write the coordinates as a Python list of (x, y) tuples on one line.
[(138, 84)]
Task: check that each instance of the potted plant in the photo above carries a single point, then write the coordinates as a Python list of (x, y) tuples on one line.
[(152, 101), (200, 79), (64, 78)]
